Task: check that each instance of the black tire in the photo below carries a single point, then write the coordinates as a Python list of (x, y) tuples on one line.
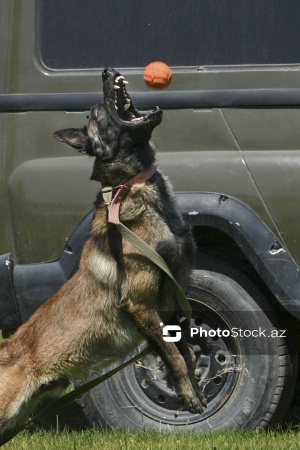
[(249, 380)]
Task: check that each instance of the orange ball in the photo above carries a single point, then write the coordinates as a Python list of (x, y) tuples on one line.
[(157, 75)]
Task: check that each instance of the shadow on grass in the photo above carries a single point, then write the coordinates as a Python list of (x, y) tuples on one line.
[(69, 418)]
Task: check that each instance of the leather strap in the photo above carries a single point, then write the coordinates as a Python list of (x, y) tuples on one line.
[(123, 189)]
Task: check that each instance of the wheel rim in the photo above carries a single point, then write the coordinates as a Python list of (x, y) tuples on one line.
[(148, 386)]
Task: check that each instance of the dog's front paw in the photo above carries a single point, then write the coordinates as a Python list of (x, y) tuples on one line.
[(202, 397), (200, 394), (195, 404)]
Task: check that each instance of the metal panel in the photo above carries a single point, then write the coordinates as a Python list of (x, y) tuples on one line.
[(270, 143)]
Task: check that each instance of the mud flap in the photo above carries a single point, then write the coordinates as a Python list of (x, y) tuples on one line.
[(25, 287)]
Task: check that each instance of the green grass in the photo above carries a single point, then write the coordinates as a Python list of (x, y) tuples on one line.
[(127, 440), (68, 431)]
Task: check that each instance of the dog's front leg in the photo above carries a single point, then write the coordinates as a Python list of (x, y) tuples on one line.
[(190, 360), (148, 323)]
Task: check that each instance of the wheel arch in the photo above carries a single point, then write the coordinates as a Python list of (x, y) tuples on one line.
[(247, 234)]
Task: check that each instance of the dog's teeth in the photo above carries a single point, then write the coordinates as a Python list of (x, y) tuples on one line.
[(127, 100), (125, 82), (120, 77), (116, 107), (126, 106), (116, 86)]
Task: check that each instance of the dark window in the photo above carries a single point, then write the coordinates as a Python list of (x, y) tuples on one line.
[(77, 34)]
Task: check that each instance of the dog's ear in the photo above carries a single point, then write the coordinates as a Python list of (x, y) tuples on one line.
[(76, 137)]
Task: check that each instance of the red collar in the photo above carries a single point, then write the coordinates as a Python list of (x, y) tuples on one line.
[(123, 189)]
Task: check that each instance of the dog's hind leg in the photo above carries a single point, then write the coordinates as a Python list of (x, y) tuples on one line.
[(19, 381), (148, 322), (16, 388)]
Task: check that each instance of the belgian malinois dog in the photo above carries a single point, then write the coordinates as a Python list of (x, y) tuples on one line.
[(118, 297)]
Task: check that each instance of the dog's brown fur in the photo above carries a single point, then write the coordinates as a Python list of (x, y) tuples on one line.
[(117, 297)]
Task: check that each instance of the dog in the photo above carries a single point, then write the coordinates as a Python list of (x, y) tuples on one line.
[(118, 297)]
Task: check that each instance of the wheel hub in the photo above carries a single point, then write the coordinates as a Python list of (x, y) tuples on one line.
[(216, 370)]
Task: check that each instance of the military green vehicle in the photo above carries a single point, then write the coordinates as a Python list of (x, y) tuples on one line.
[(230, 144)]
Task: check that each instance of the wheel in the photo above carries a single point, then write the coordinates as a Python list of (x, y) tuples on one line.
[(248, 377)]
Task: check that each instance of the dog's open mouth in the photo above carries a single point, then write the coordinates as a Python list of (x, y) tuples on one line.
[(115, 90), (123, 102)]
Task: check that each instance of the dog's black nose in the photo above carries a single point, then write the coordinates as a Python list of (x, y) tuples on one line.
[(109, 72)]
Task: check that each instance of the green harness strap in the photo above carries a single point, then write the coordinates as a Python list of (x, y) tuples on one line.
[(160, 262), (73, 395)]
